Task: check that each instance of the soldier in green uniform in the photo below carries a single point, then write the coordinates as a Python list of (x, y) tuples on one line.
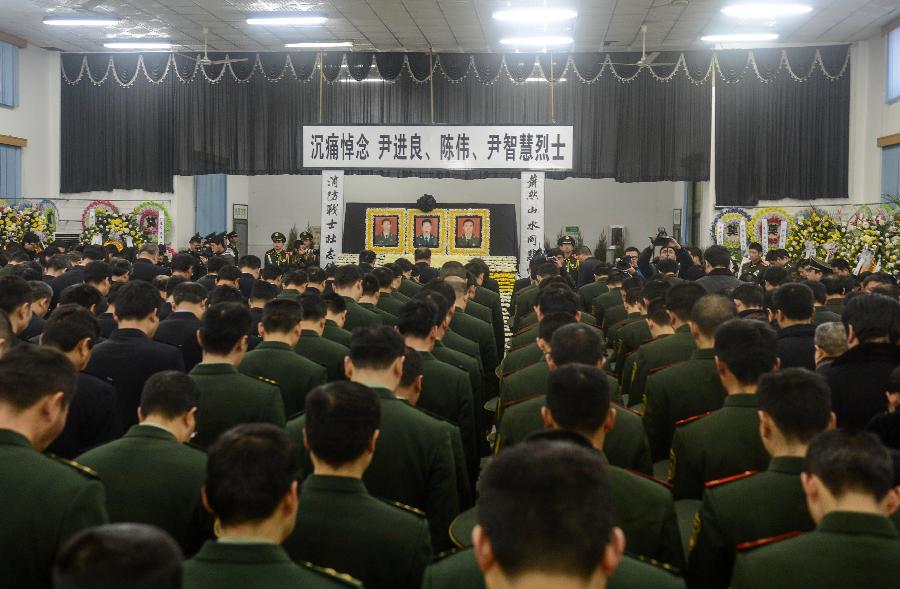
[(523, 303), (338, 522), (634, 306), (488, 298), (553, 296), (227, 397), (369, 300), (592, 290), (680, 300), (335, 319), (611, 298), (251, 491), (659, 326), (348, 285), (47, 500), (794, 405), (754, 268), (846, 477), (726, 442), (445, 389), (275, 359), (278, 256), (821, 312), (567, 244), (293, 284), (414, 463), (835, 292), (692, 387), (407, 287), (304, 254), (313, 344), (388, 301), (635, 333), (150, 475)]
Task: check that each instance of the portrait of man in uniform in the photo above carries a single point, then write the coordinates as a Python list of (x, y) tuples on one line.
[(385, 231), (427, 232), (468, 232)]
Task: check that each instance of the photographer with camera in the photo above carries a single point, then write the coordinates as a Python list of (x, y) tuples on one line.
[(674, 259)]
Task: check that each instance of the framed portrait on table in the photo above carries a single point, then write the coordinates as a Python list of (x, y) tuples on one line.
[(426, 229), (385, 230), (470, 232)]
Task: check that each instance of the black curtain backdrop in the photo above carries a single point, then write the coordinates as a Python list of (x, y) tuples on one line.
[(135, 120), (504, 231), (778, 136)]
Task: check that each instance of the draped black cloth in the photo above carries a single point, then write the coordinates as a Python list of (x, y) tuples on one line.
[(134, 121)]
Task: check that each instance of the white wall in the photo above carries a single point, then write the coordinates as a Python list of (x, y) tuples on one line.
[(37, 120), (277, 202)]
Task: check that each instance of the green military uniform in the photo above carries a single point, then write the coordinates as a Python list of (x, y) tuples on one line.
[(46, 501), (613, 315), (520, 358), (657, 354), (461, 344), (151, 478), (480, 332), (390, 303), (413, 463), (464, 488), (631, 337), (294, 375), (824, 315), (835, 305), (744, 509), (845, 550), (625, 446), (446, 391), (642, 507), (613, 335), (229, 398), (524, 336), (525, 301), (386, 318), (291, 294), (460, 571), (323, 352), (339, 525), (336, 333), (591, 291), (679, 392), (530, 322), (611, 298), (532, 380), (491, 300), (473, 369), (357, 316), (280, 259), (724, 443), (261, 565), (626, 375), (479, 311), (753, 272), (409, 287)]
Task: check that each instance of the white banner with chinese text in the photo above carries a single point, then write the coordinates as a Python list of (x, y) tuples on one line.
[(450, 147), (332, 216), (531, 210)]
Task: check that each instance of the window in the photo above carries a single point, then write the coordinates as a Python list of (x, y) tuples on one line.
[(211, 196), (10, 173), (893, 65), (9, 75), (890, 173)]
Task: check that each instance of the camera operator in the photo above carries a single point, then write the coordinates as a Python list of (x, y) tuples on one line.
[(669, 249)]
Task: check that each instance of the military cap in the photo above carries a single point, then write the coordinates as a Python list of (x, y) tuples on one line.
[(305, 235), (565, 239), (819, 265), (278, 236), (232, 234), (195, 238)]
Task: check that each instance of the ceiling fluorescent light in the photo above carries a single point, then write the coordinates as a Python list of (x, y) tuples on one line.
[(739, 38), (540, 15), (765, 10), (286, 19), (159, 45), (83, 20), (325, 45), (537, 41)]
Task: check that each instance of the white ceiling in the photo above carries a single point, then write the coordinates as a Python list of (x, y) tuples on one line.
[(444, 25)]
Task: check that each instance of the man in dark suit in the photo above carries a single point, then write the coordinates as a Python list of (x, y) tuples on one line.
[(15, 301), (426, 238), (180, 328), (468, 238), (93, 414), (91, 253), (385, 238), (426, 273), (41, 295), (130, 356), (793, 305), (250, 268), (145, 266)]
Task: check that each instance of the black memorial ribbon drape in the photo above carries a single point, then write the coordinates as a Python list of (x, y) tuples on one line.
[(132, 121), (782, 124)]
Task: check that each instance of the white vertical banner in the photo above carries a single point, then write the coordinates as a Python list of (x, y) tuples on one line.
[(161, 228), (531, 208), (332, 235)]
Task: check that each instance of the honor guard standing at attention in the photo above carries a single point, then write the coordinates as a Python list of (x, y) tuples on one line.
[(567, 244), (303, 250), (278, 256)]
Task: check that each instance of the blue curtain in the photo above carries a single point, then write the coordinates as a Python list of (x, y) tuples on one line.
[(211, 196), (10, 173), (890, 173), (9, 75)]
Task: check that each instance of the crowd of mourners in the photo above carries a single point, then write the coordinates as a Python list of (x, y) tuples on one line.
[(671, 419)]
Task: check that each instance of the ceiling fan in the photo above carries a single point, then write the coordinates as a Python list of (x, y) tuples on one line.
[(205, 60), (645, 60)]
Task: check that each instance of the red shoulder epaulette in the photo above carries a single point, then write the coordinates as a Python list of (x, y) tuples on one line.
[(766, 541), (629, 409), (737, 477), (513, 371), (650, 478), (663, 367), (521, 400), (690, 419)]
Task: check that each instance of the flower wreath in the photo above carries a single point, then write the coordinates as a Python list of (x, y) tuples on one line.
[(771, 226), (119, 227), (729, 228), (98, 206), (814, 228), (152, 209), (33, 220), (878, 236), (10, 227)]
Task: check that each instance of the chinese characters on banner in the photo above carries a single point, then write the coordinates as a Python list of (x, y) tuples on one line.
[(332, 216), (532, 214), (529, 147)]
